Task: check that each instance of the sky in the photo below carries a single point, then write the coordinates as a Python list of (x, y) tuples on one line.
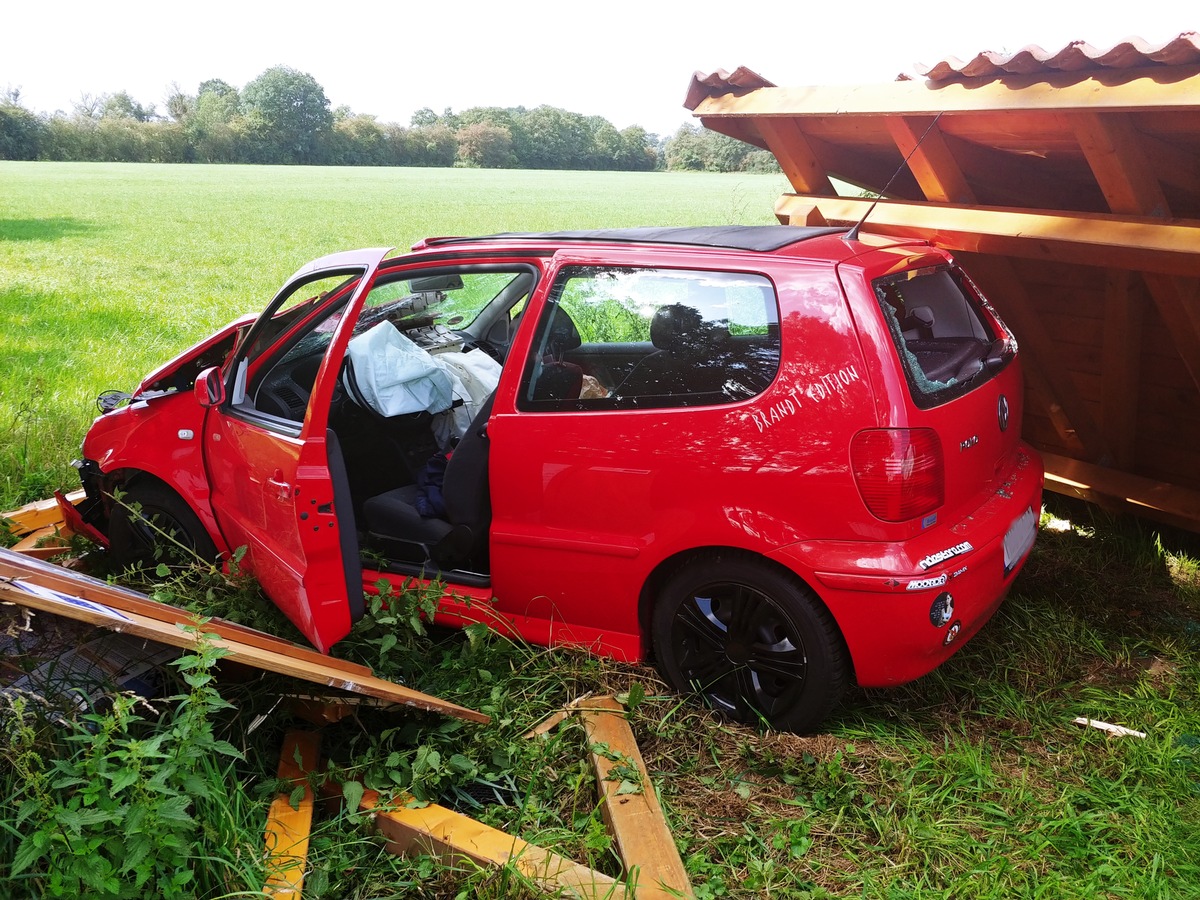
[(630, 62)]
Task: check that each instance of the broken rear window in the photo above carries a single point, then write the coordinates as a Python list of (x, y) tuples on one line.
[(948, 341)]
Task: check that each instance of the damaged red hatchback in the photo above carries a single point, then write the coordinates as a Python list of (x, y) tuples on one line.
[(772, 459)]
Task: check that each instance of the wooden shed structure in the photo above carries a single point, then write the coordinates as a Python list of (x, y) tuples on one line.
[(1068, 183)]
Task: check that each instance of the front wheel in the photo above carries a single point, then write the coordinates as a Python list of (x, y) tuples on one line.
[(150, 523), (753, 641)]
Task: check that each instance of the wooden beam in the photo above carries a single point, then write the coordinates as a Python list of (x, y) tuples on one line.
[(930, 160), (456, 838), (796, 156), (1120, 378), (1127, 89), (1123, 492), (288, 827), (1093, 239), (635, 820)]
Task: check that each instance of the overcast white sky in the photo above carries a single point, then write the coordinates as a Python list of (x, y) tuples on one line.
[(627, 60)]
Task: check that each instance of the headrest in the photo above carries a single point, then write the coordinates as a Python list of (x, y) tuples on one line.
[(681, 330), (563, 336)]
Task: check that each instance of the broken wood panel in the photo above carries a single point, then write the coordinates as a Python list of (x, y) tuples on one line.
[(635, 820), (1122, 491), (288, 828), (32, 596), (38, 514), (455, 838), (125, 600)]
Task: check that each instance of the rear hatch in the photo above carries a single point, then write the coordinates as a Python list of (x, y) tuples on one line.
[(949, 382)]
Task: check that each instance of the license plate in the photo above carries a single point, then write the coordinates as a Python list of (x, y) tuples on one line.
[(1019, 539)]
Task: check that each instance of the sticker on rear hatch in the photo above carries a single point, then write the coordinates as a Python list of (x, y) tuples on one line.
[(942, 555)]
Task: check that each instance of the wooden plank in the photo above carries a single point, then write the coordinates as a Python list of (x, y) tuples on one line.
[(1127, 90), (288, 828), (635, 820), (38, 514), (455, 838), (1094, 239), (1120, 376), (125, 600), (796, 156), (1123, 492), (29, 594)]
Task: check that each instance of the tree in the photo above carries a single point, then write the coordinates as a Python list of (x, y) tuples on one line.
[(21, 131), (122, 106), (288, 116), (485, 146), (423, 118)]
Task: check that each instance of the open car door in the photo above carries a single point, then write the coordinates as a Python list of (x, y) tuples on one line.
[(279, 485)]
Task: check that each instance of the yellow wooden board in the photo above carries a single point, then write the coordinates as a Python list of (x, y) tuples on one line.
[(288, 827), (635, 820), (455, 838)]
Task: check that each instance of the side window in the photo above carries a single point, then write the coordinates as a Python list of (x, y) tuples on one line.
[(640, 338), (279, 367)]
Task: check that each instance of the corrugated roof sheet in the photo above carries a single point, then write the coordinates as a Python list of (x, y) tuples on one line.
[(720, 82), (1077, 56)]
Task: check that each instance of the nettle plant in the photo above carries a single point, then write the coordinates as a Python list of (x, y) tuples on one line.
[(110, 809)]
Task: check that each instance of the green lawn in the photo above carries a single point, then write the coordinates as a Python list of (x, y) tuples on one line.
[(971, 782)]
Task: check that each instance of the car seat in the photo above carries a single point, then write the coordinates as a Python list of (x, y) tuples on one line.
[(395, 527), (688, 358)]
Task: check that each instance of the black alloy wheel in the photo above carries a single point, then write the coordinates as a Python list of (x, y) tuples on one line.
[(754, 642), (150, 524)]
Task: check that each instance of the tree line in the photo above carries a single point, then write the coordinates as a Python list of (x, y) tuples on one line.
[(283, 117)]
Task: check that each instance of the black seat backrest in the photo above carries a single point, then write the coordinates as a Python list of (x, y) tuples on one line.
[(466, 489)]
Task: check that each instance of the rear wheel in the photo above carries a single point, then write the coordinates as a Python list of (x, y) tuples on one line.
[(150, 524), (754, 642)]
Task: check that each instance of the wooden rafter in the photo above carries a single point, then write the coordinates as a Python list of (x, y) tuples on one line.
[(930, 160), (796, 156)]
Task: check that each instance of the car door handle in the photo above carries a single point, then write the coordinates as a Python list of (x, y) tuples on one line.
[(279, 488)]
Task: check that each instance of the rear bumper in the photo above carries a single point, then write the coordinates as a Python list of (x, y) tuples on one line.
[(905, 608)]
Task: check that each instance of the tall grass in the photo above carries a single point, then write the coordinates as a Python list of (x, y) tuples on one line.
[(107, 270)]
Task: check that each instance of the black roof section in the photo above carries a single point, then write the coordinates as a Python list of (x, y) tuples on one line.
[(762, 238)]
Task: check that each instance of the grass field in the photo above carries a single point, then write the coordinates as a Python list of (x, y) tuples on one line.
[(971, 782), (107, 270)]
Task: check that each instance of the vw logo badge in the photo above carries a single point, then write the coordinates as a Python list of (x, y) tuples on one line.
[(1002, 412)]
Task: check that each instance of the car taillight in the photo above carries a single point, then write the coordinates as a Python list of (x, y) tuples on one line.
[(900, 472)]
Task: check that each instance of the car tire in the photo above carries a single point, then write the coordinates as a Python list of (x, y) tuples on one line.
[(753, 641), (141, 521)]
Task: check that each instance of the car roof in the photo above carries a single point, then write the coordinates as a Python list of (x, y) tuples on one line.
[(761, 238)]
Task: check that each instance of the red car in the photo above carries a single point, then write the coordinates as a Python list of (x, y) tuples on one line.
[(771, 459)]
